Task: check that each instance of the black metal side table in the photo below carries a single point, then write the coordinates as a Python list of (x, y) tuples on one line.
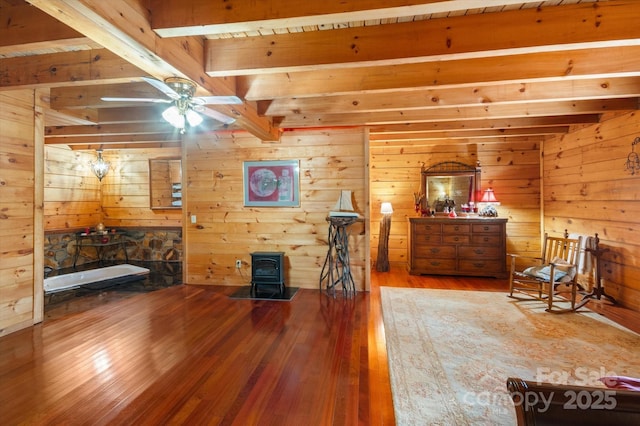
[(95, 240), (336, 270)]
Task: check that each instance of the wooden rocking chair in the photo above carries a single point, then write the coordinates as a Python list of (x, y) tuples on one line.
[(558, 266)]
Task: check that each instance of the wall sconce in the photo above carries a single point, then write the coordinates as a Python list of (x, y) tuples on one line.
[(100, 167), (490, 201), (382, 263), (633, 161)]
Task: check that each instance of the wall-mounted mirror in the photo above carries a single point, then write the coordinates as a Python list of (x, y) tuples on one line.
[(450, 185), (165, 183)]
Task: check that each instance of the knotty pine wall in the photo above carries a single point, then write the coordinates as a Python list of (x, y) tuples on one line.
[(511, 168), (226, 230), (125, 190), (21, 267), (75, 198), (587, 191), (72, 198)]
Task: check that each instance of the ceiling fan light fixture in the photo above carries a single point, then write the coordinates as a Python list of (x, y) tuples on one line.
[(193, 118), (173, 116), (185, 109)]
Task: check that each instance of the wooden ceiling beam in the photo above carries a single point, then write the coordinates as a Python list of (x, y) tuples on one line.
[(122, 26), (132, 114), (600, 88), (202, 17), (487, 123), (558, 28), (84, 67), (460, 113), (410, 145), (26, 29), (69, 117), (467, 134), (91, 96), (109, 129), (111, 139), (124, 145), (560, 66)]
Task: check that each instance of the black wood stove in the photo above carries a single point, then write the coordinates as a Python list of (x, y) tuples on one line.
[(267, 268)]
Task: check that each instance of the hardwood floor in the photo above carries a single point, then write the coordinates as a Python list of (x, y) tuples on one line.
[(191, 355)]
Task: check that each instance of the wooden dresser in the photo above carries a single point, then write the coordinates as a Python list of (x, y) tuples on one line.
[(457, 246)]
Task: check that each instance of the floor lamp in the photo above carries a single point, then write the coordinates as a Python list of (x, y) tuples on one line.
[(382, 264)]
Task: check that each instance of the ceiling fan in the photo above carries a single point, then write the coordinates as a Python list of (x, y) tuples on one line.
[(185, 108)]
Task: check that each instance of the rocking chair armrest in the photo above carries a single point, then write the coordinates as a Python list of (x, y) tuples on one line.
[(562, 266), (514, 256)]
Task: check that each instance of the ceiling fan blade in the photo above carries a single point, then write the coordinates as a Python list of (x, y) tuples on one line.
[(225, 119), (150, 100), (218, 100), (163, 87)]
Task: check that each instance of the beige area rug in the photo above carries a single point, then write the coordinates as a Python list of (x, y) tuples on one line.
[(451, 352)]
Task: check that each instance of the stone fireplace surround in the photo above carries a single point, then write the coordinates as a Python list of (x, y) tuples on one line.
[(143, 244)]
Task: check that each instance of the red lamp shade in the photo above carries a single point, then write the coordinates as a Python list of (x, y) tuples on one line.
[(488, 196)]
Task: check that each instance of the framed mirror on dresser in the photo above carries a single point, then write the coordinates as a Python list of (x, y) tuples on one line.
[(450, 185), (465, 244)]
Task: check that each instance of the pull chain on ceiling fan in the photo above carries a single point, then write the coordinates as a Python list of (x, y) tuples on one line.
[(185, 108)]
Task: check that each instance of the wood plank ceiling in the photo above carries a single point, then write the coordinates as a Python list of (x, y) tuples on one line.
[(462, 70)]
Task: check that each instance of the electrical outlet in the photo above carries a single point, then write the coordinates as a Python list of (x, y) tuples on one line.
[(238, 263)]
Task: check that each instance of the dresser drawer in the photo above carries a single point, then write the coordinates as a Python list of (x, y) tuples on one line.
[(456, 228), (486, 239), (433, 265), (439, 252), (489, 228), (455, 239), (480, 252), (429, 228), (480, 267), (427, 238)]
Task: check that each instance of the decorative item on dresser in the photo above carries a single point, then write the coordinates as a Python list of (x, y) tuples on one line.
[(457, 246)]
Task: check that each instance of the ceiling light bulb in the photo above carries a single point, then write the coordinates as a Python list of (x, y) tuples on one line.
[(173, 116), (193, 118)]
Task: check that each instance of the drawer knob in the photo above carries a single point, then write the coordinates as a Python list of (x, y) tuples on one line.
[(457, 228), (486, 228), (435, 250), (456, 239)]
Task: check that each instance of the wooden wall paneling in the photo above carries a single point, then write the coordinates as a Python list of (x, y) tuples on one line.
[(587, 191), (125, 197), (226, 230), (512, 169), (38, 211), (18, 200), (71, 190)]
